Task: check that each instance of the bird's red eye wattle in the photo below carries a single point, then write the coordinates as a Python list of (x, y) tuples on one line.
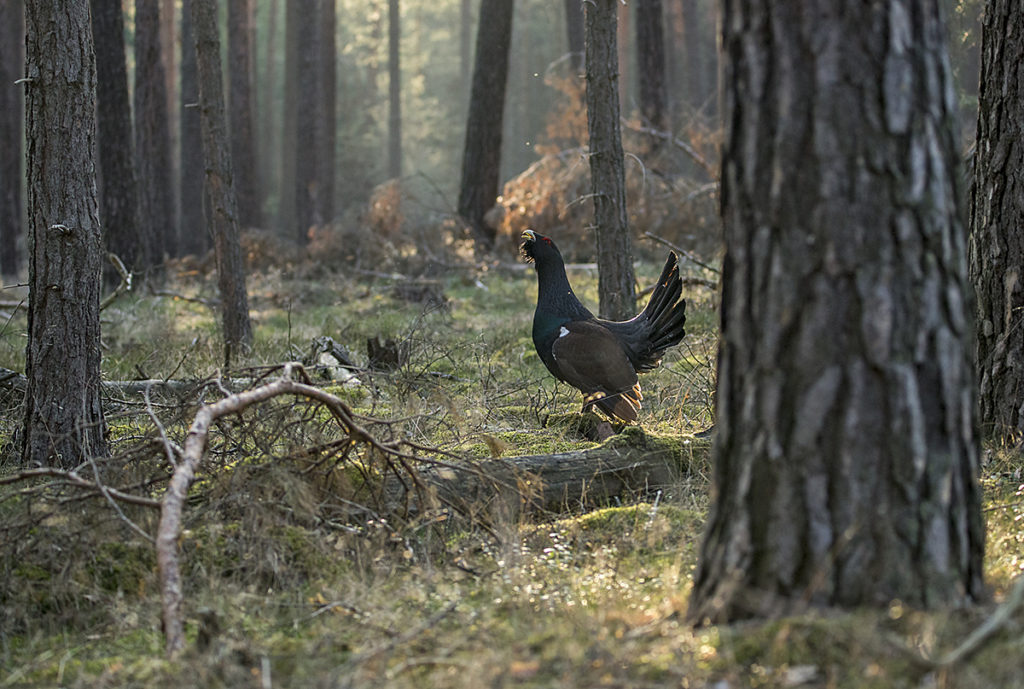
[(547, 240)]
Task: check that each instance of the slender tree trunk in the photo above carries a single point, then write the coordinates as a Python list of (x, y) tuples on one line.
[(12, 45), (119, 202), (394, 91), (607, 167), (650, 42), (195, 238), (63, 417), (481, 159), (240, 102), (997, 222), (574, 31), (307, 191), (152, 134), (327, 126), (220, 189), (465, 45), (698, 78), (269, 126), (846, 455)]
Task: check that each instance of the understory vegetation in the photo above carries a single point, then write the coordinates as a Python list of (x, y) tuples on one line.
[(298, 572)]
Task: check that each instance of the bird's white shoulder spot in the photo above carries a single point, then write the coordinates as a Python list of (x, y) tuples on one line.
[(563, 331)]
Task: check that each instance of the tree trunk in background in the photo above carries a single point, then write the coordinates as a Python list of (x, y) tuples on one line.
[(12, 65), (574, 31), (268, 121), (193, 233), (123, 232), (650, 42), (152, 133), (327, 126), (240, 107), (997, 222), (481, 159), (168, 50), (846, 456), (607, 167), (289, 117), (63, 417), (219, 187), (695, 66), (394, 91), (307, 191)]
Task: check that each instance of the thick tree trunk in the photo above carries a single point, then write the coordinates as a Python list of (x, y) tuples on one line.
[(12, 45), (63, 418), (240, 106), (327, 126), (481, 158), (305, 152), (219, 186), (846, 455), (193, 233), (123, 232), (607, 168), (650, 47), (394, 91), (152, 134), (997, 221)]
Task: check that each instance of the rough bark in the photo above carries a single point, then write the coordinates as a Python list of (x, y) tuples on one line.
[(123, 233), (997, 222), (607, 167), (240, 107), (481, 157), (394, 91), (465, 44), (152, 134), (192, 225), (12, 45), (327, 126), (650, 46), (219, 184), (306, 156), (846, 455), (63, 419)]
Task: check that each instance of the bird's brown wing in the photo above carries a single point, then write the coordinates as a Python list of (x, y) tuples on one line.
[(591, 359)]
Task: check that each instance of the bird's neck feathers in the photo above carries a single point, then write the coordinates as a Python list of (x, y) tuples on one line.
[(555, 295)]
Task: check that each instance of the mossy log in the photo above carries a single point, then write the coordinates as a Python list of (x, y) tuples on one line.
[(629, 463)]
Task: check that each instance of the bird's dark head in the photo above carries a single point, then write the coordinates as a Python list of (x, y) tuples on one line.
[(536, 247)]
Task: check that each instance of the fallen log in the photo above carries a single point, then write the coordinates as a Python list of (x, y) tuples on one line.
[(507, 488)]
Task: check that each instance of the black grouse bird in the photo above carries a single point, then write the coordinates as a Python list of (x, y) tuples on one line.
[(601, 358)]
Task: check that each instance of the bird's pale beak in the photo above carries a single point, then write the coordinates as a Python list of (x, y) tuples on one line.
[(528, 235)]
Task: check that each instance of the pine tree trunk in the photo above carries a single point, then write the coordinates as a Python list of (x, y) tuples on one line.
[(119, 201), (846, 455), (219, 185), (305, 151), (394, 91), (193, 233), (63, 417), (152, 134), (327, 126), (481, 158), (240, 102), (289, 116), (12, 61), (997, 222), (607, 171), (650, 42)]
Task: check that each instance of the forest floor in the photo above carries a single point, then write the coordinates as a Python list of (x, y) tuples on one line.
[(293, 580)]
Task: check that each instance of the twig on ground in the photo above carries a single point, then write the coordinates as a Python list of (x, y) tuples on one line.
[(979, 636), (124, 286), (78, 481)]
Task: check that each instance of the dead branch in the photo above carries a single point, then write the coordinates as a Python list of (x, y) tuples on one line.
[(683, 146), (169, 528), (78, 481), (124, 286), (979, 636), (679, 250)]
